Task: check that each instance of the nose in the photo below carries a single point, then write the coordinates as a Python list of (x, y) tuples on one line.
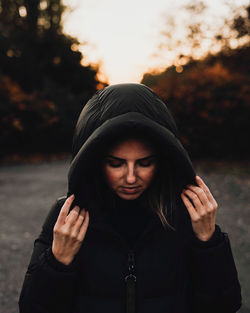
[(130, 176)]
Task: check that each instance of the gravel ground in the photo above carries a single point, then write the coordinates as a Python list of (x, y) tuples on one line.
[(20, 222)]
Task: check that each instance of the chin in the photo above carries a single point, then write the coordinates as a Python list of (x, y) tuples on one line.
[(129, 196)]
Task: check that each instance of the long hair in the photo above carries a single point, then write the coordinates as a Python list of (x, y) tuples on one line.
[(161, 195)]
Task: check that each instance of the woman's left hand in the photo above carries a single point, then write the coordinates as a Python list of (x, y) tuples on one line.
[(203, 209)]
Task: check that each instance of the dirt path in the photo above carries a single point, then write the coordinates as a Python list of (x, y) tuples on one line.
[(23, 185)]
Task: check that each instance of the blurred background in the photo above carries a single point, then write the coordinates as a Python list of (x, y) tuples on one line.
[(55, 54)]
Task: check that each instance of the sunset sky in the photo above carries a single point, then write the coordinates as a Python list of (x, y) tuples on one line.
[(123, 36)]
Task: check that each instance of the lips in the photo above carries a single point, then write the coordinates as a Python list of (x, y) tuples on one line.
[(130, 189)]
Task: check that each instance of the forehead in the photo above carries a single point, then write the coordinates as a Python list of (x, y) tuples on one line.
[(131, 146)]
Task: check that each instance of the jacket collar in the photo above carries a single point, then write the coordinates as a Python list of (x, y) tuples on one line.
[(101, 224)]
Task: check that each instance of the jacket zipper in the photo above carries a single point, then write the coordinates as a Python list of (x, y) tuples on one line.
[(130, 280), (130, 277)]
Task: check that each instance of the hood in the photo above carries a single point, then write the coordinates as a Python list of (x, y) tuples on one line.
[(112, 113)]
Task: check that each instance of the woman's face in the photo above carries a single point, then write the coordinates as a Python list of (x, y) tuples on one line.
[(129, 168)]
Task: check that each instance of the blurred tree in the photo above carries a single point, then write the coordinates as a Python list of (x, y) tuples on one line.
[(27, 118), (210, 97), (33, 48), (194, 30), (45, 65)]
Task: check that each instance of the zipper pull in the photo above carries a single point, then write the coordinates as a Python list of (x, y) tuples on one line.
[(131, 261), (130, 280)]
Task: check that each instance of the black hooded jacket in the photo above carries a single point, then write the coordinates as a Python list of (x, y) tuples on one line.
[(175, 272)]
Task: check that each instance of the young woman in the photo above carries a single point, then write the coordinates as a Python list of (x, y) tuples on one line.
[(136, 232)]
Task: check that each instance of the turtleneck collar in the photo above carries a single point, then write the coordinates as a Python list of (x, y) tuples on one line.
[(129, 217), (124, 207)]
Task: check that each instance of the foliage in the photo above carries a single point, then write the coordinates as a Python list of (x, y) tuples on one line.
[(194, 30), (210, 102), (210, 97), (42, 82)]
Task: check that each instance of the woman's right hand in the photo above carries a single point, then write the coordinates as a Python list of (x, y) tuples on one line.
[(69, 232)]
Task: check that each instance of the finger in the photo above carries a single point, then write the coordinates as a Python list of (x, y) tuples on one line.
[(201, 183), (195, 199), (84, 227), (77, 226), (72, 216), (192, 212), (64, 210), (206, 190), (200, 193)]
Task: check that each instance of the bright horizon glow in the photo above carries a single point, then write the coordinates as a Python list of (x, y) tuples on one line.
[(123, 36)]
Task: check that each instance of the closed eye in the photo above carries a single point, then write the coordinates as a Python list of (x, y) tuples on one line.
[(146, 163), (117, 162), (114, 163)]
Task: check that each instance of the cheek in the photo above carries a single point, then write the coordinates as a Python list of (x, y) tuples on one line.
[(111, 176), (149, 175)]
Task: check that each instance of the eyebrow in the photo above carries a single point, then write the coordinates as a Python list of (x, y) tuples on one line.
[(119, 159)]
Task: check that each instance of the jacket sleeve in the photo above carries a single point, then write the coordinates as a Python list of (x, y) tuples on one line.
[(48, 285), (214, 281)]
